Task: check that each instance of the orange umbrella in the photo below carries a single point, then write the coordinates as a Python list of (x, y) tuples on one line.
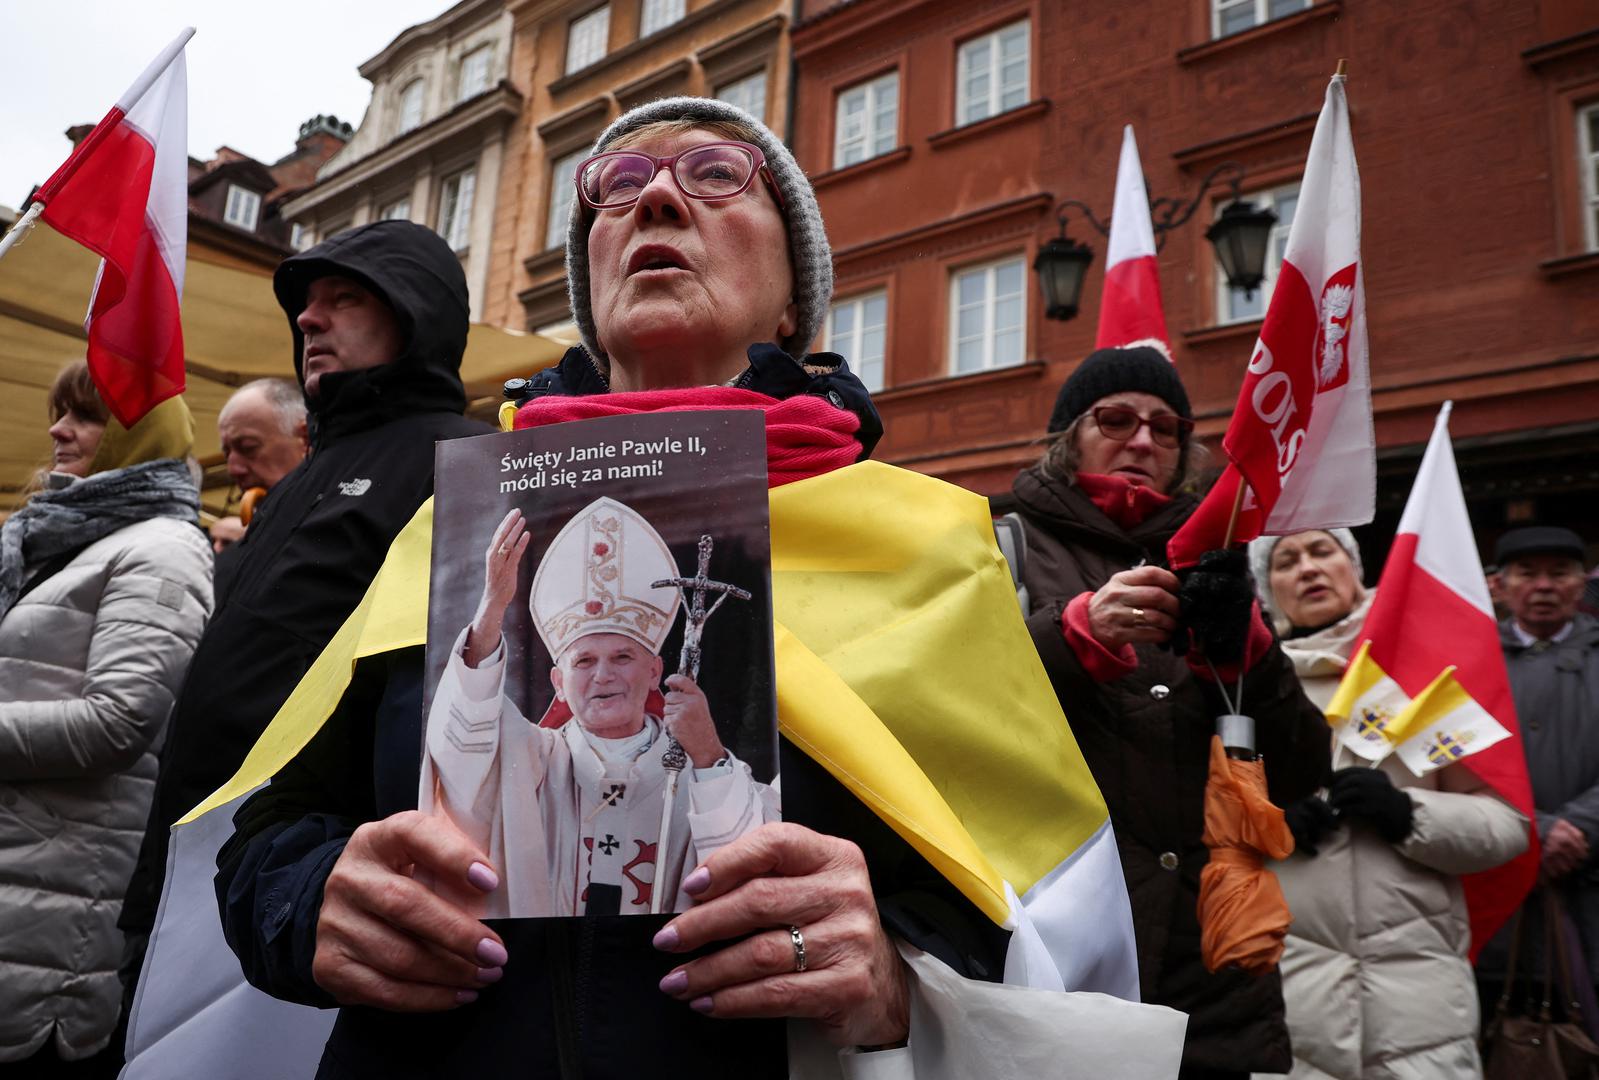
[(1243, 917)]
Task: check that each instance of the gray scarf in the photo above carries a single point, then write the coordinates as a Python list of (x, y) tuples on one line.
[(62, 519)]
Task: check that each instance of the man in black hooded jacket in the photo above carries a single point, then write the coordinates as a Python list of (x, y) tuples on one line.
[(379, 318)]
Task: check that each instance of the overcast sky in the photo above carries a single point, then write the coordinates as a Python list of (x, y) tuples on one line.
[(256, 70)]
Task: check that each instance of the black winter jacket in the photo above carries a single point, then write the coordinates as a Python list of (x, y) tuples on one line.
[(1146, 738), (579, 997), (321, 534)]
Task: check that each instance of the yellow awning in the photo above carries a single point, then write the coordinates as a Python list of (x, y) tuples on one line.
[(233, 331)]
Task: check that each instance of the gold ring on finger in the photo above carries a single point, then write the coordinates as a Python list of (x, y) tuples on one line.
[(798, 940), (1138, 616)]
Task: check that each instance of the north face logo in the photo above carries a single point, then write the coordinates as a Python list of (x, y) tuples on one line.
[(354, 487)]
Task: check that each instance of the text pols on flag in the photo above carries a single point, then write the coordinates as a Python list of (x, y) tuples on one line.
[(1300, 441), (124, 195), (1129, 305)]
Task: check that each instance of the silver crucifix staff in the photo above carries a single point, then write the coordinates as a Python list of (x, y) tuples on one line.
[(694, 590)]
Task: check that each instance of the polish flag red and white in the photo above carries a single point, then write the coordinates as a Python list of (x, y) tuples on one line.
[(1129, 305), (1300, 440), (1432, 614), (124, 195)]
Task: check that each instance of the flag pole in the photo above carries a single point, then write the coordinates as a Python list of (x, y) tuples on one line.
[(1232, 518), (24, 224)]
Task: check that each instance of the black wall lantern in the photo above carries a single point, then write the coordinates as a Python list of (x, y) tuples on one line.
[(1239, 235)]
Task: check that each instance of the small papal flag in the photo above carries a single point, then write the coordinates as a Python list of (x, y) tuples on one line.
[(1374, 717)]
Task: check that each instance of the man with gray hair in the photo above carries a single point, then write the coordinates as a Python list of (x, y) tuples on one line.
[(263, 432), (264, 437)]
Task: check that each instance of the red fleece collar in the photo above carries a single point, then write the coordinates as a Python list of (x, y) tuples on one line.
[(805, 435), (1125, 503)]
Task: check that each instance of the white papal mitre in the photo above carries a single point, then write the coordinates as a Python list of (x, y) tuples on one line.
[(595, 579)]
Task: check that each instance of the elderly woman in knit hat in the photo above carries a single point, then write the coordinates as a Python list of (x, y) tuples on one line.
[(1375, 975), (105, 585), (699, 275), (1097, 511)]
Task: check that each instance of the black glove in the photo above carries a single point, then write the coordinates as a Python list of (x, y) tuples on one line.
[(1368, 795), (1214, 601), (1309, 820)]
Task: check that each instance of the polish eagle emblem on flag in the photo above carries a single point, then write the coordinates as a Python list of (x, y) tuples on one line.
[(1336, 309)]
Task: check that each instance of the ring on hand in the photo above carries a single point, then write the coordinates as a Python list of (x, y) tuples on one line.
[(798, 939), (1138, 616)]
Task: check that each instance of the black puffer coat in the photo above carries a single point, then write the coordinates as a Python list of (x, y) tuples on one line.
[(321, 535), (1146, 737)]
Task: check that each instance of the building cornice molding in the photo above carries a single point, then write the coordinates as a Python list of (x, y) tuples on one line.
[(1551, 52), (1295, 131), (1317, 11), (639, 46), (1013, 217), (496, 108), (425, 34)]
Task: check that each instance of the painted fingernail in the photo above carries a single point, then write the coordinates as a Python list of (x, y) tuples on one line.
[(666, 940), (492, 953), (700, 1004), (697, 882), (490, 974), (675, 983), (481, 876), (465, 997)]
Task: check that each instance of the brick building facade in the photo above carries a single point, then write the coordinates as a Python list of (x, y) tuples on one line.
[(941, 136)]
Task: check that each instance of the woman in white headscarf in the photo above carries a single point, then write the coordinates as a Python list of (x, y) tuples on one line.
[(1375, 976)]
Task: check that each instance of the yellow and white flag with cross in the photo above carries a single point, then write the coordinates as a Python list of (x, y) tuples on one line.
[(1374, 717)]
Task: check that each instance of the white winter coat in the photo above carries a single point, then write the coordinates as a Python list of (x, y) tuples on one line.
[(1375, 974), (90, 660)]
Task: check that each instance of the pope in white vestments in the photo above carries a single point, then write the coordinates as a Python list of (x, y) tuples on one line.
[(571, 814)]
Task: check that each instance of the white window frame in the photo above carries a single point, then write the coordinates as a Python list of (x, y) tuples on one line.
[(1275, 244), (658, 15), (1588, 161), (473, 77), (989, 46), (411, 105), (243, 208), (299, 236), (563, 191), (398, 210), (879, 129), (871, 370), (455, 210), (990, 302), (1261, 9), (588, 39), (740, 92)]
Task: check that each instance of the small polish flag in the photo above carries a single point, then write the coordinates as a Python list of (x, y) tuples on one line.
[(124, 195), (1129, 304)]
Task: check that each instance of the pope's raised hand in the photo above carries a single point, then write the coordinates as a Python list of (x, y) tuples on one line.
[(500, 563), (688, 720)]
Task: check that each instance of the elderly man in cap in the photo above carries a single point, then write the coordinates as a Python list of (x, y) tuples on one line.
[(1552, 653), (571, 812)]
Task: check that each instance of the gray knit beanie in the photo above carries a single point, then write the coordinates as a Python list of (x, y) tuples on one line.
[(1260, 550), (808, 250)]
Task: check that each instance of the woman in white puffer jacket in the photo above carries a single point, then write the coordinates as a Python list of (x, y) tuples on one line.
[(105, 586), (1375, 976)]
